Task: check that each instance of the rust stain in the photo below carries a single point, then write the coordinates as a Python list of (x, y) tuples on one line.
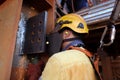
[(8, 34)]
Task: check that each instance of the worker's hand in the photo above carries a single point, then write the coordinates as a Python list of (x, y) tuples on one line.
[(90, 3)]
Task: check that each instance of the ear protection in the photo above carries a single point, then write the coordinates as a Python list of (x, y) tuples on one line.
[(66, 32)]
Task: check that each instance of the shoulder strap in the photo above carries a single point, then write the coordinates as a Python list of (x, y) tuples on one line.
[(90, 55), (82, 50)]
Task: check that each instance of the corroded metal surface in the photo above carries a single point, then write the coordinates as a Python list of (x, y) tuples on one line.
[(39, 5), (18, 58), (9, 17), (116, 68)]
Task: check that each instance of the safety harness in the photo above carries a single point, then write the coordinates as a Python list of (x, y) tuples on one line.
[(90, 56)]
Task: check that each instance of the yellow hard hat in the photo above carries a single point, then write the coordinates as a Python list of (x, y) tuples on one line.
[(74, 22)]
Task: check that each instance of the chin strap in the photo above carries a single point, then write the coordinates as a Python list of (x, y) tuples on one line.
[(71, 39)]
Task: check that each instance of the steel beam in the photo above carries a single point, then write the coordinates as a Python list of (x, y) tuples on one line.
[(9, 17)]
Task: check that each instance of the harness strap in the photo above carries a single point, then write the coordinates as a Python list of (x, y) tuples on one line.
[(90, 55)]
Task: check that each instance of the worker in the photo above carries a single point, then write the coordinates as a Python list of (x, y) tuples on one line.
[(76, 5), (73, 62), (69, 6)]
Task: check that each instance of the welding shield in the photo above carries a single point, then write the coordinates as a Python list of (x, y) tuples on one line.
[(53, 43)]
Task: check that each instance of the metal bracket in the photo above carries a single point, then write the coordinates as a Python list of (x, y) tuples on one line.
[(35, 34)]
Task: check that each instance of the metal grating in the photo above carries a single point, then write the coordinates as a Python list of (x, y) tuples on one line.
[(98, 13)]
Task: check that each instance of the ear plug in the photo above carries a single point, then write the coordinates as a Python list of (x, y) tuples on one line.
[(66, 32)]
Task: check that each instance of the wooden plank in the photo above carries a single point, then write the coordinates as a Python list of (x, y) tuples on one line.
[(9, 17)]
